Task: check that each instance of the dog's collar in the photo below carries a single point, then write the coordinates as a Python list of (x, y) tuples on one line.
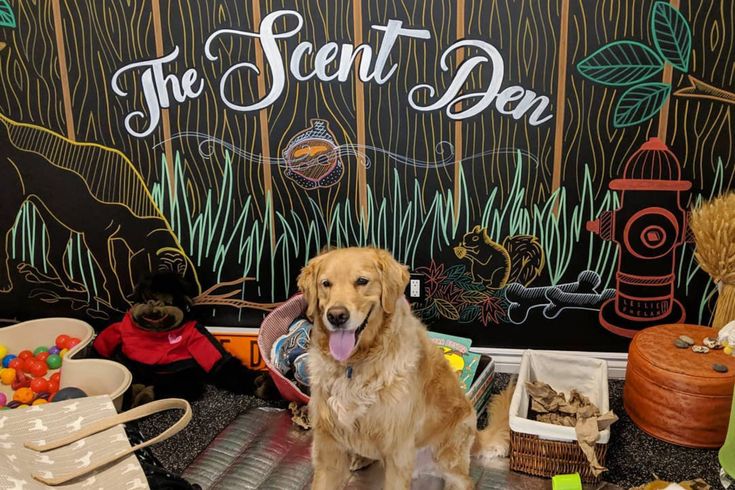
[(359, 330)]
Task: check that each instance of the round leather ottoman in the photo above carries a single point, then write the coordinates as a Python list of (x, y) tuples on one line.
[(674, 394)]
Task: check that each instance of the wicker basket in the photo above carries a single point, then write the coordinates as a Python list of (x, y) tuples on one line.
[(543, 449), (535, 456)]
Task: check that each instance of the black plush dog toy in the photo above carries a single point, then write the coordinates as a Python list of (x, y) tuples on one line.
[(166, 349)]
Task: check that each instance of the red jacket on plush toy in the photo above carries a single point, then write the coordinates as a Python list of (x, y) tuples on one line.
[(164, 349)]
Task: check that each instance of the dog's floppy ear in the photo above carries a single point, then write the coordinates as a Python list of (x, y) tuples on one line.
[(307, 285), (394, 278)]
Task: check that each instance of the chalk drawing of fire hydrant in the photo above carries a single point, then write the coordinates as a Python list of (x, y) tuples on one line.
[(648, 227)]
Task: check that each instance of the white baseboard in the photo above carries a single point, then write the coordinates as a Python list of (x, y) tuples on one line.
[(509, 360)]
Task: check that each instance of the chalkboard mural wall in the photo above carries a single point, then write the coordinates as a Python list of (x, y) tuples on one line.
[(532, 161)]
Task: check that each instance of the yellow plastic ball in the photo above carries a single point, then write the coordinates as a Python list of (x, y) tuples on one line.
[(7, 376), (3, 351), (727, 350), (22, 406), (40, 401), (63, 353)]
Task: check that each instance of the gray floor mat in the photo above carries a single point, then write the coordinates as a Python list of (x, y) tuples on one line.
[(262, 449)]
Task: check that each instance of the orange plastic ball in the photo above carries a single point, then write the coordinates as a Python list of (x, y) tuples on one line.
[(7, 376), (39, 385), (23, 395)]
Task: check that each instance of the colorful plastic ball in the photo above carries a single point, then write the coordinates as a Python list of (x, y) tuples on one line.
[(39, 401), (23, 395), (23, 405), (39, 368), (42, 356), (63, 353), (54, 350), (39, 349), (67, 394), (7, 376), (61, 340), (727, 350), (7, 359), (72, 342), (25, 354), (53, 387), (3, 351), (53, 361), (56, 377), (15, 363), (5, 407), (39, 385), (25, 364), (3, 399)]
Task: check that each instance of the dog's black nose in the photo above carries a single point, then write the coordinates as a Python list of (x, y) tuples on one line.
[(338, 315)]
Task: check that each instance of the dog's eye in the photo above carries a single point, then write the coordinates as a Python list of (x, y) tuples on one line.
[(361, 281), (475, 238), (326, 283)]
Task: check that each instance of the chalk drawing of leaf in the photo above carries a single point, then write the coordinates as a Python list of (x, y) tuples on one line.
[(474, 297), (447, 309), (640, 103), (672, 35), (7, 18), (470, 314), (621, 63)]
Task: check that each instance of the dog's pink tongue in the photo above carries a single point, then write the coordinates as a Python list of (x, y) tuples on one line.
[(341, 344)]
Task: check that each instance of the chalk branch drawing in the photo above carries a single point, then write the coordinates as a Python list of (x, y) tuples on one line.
[(649, 227), (631, 64)]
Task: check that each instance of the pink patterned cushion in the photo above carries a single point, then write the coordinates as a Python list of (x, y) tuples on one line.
[(275, 325)]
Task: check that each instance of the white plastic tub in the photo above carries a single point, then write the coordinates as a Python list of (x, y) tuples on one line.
[(94, 376)]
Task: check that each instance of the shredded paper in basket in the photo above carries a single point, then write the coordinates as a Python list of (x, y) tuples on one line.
[(578, 412)]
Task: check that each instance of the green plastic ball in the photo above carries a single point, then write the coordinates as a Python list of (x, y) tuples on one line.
[(40, 349), (53, 361)]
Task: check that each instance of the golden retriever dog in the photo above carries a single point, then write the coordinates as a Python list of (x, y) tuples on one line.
[(380, 389)]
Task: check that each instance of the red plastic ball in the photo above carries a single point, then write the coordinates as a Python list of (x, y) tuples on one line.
[(39, 385), (41, 356), (39, 368), (15, 363), (53, 386), (61, 340), (25, 364), (25, 354), (72, 342), (56, 377)]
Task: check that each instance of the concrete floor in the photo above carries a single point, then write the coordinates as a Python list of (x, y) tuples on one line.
[(262, 449)]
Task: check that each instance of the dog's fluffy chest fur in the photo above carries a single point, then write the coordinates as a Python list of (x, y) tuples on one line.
[(364, 409)]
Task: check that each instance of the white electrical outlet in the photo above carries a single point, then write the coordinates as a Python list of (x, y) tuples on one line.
[(415, 288)]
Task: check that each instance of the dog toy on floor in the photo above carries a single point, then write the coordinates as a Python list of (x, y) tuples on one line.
[(168, 350)]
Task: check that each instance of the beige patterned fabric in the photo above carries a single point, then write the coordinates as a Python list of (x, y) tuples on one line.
[(45, 423)]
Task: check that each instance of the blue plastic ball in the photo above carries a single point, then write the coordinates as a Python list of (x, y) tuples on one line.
[(7, 359)]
